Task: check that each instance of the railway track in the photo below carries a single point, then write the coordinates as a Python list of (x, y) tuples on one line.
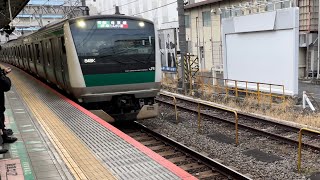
[(274, 130), (191, 161)]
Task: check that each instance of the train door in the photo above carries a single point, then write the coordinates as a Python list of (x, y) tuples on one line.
[(50, 66), (29, 57), (41, 61), (44, 60), (21, 56), (32, 58), (15, 58), (37, 57), (9, 55), (58, 63), (65, 66), (51, 58), (25, 56), (55, 57)]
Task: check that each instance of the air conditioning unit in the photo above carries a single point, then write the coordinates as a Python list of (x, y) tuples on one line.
[(302, 40)]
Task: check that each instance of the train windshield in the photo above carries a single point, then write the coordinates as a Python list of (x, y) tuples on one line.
[(114, 41)]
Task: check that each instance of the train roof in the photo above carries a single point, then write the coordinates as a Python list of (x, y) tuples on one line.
[(59, 22), (93, 17), (109, 16)]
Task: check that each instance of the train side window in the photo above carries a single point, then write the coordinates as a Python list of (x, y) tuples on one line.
[(48, 52), (42, 50), (63, 45), (29, 50), (21, 52), (37, 52), (17, 52), (25, 51)]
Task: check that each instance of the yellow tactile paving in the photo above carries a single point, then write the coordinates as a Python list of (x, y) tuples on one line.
[(70, 148)]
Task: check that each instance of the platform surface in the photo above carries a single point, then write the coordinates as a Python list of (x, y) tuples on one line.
[(58, 139)]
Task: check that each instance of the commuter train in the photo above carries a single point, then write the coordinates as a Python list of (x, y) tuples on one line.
[(107, 63)]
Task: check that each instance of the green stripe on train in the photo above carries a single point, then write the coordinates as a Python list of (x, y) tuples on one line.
[(119, 78)]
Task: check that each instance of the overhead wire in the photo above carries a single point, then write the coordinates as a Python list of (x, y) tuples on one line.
[(120, 6), (155, 8)]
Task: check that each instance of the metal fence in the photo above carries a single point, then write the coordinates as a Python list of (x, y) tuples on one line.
[(204, 86)]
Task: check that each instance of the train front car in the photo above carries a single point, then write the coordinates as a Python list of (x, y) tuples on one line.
[(118, 65)]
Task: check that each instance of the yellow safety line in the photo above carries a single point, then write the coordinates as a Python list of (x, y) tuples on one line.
[(78, 158)]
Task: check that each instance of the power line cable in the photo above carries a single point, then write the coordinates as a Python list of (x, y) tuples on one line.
[(120, 6), (155, 8)]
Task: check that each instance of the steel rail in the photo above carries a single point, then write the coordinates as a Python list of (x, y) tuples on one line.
[(213, 164), (258, 131)]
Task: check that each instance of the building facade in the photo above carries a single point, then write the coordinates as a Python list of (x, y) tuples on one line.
[(203, 27)]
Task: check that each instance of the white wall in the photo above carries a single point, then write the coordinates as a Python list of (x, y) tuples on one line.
[(263, 48)]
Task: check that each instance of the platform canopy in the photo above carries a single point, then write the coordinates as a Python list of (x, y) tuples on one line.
[(16, 7)]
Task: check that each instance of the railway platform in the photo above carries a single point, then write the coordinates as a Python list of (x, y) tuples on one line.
[(58, 139)]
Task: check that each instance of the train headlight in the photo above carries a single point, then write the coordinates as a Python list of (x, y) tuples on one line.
[(81, 24), (141, 24)]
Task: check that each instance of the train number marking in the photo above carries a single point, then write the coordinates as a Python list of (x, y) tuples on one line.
[(89, 61)]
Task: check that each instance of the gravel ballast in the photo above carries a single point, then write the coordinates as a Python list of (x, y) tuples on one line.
[(186, 132)]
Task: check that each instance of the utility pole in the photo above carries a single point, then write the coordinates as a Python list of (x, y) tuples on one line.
[(182, 39), (318, 70)]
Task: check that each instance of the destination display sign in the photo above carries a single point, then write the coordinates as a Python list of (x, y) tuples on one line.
[(113, 24)]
